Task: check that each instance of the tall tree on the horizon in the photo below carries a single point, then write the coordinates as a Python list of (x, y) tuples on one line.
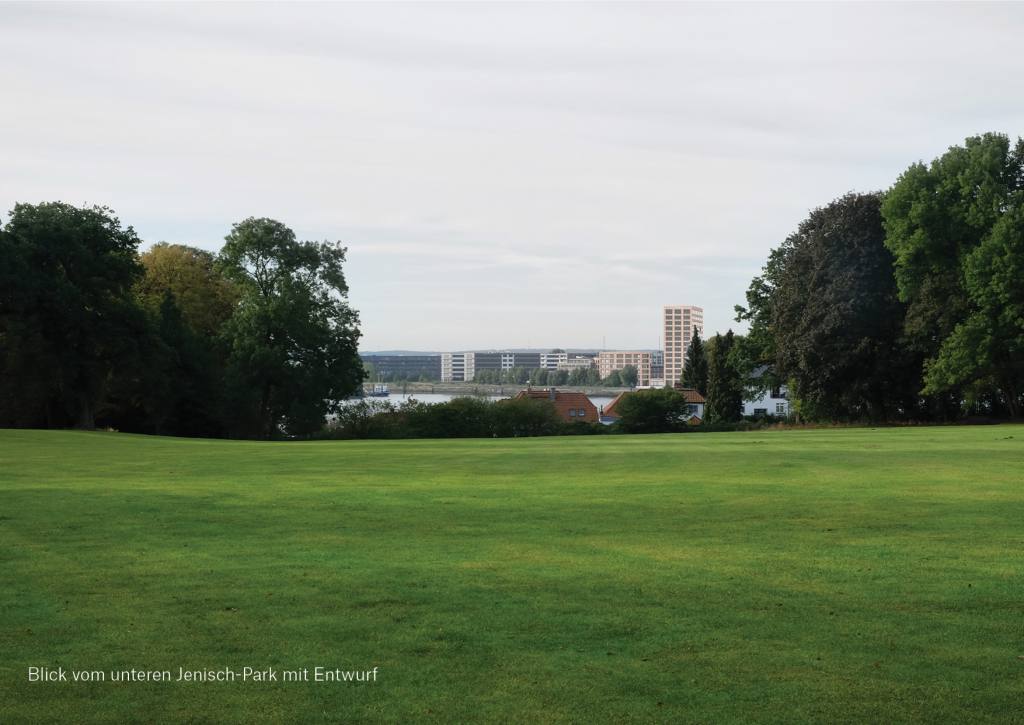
[(178, 388), (837, 320), (293, 338), (825, 315), (953, 229), (205, 296), (725, 386), (986, 350), (68, 321), (695, 367)]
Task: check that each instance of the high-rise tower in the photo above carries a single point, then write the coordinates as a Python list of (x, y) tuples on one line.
[(679, 322)]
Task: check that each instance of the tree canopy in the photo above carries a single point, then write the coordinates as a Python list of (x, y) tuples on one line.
[(725, 386), (258, 341), (953, 227), (832, 312), (653, 411), (293, 338), (67, 318), (902, 305)]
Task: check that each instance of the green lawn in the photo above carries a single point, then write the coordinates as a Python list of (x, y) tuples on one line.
[(808, 576)]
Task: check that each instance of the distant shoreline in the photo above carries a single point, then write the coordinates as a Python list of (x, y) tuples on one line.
[(510, 389)]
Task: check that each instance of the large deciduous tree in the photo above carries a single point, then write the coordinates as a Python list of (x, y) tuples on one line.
[(68, 322), (825, 314), (293, 338), (950, 226), (178, 388), (205, 297), (986, 350)]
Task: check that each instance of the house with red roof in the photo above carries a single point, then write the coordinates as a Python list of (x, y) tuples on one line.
[(572, 407)]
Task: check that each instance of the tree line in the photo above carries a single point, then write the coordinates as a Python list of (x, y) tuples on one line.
[(257, 341), (906, 304), (644, 411)]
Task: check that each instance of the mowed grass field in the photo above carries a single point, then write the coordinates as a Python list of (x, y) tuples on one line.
[(825, 576)]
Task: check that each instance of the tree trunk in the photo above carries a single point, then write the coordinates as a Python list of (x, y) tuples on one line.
[(86, 418), (266, 419), (1010, 392)]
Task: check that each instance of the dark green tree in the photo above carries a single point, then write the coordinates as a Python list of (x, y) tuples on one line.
[(695, 367), (524, 417), (825, 314), (293, 337), (68, 320), (652, 411), (614, 379), (725, 386), (629, 375), (837, 319), (173, 385), (178, 389), (758, 354)]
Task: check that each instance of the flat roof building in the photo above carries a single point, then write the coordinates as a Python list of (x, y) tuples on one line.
[(608, 361), (388, 368)]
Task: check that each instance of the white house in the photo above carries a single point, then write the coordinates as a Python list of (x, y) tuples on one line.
[(772, 401)]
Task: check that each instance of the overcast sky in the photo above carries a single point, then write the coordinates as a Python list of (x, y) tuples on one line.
[(503, 175)]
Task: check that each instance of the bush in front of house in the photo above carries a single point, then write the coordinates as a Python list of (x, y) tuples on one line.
[(663, 410)]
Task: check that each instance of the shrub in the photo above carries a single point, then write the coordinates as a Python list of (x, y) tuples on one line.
[(653, 411)]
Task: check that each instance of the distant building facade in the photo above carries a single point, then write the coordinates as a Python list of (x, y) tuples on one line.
[(577, 362), (679, 322), (608, 361), (458, 367), (773, 401), (553, 360), (404, 367)]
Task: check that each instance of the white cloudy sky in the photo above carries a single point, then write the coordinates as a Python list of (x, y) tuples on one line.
[(503, 175)]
